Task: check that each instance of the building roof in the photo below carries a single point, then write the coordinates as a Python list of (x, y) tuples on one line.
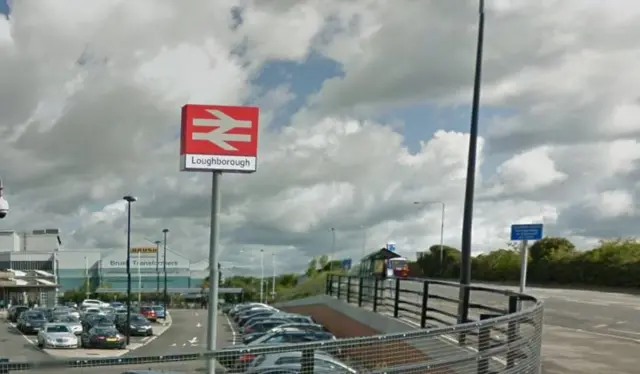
[(10, 278), (186, 291), (381, 254)]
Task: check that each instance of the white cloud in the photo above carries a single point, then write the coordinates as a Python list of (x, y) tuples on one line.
[(91, 93)]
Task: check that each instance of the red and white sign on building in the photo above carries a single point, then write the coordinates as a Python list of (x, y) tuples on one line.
[(219, 138)]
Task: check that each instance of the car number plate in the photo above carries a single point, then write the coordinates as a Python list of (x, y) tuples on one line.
[(112, 339)]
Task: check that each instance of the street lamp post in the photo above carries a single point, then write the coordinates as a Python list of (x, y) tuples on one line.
[(164, 270), (262, 275), (333, 248), (273, 279), (467, 219), (442, 204), (157, 242), (129, 199)]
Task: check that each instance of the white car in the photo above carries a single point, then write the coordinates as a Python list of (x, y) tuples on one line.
[(93, 303), (57, 335)]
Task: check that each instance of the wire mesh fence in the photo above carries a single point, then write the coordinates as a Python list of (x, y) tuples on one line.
[(431, 350), (508, 325), (502, 334)]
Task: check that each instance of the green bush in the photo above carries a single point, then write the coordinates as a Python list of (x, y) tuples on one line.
[(552, 260)]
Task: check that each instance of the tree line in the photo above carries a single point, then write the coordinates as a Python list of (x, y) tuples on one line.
[(552, 260)]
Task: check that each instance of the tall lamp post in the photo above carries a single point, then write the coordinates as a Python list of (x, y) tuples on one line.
[(273, 279), (129, 199), (333, 248), (262, 275), (164, 271), (157, 242), (467, 219), (442, 204)]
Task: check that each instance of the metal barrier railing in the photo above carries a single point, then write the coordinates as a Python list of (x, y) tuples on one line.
[(506, 340), (507, 333)]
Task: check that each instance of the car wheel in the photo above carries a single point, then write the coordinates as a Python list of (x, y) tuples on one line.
[(40, 344)]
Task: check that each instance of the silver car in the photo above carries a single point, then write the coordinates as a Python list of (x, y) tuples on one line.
[(57, 335), (74, 323), (321, 360)]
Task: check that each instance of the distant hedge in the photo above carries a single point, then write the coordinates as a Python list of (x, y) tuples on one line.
[(552, 260)]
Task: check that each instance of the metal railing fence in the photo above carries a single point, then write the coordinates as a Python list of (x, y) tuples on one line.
[(507, 337), (503, 339)]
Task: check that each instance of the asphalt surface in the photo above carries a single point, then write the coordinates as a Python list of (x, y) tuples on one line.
[(588, 332), (187, 334)]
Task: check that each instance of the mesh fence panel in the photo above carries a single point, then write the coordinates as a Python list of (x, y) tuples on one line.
[(422, 351), (495, 341)]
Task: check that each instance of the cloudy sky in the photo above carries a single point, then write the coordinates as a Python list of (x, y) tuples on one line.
[(365, 108)]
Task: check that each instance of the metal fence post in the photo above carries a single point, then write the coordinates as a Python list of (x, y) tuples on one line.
[(307, 362), (484, 343), (396, 299), (375, 294), (425, 298), (339, 286), (512, 332), (327, 285), (360, 287), (463, 312), (348, 289)]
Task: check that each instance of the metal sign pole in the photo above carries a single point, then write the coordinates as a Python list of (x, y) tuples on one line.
[(523, 265), (213, 269)]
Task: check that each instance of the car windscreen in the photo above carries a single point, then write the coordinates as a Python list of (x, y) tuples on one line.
[(138, 319), (68, 319), (57, 328), (35, 316), (104, 331)]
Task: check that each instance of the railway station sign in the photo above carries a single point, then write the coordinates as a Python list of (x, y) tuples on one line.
[(219, 138)]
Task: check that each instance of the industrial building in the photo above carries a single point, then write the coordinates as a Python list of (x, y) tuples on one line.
[(35, 265)]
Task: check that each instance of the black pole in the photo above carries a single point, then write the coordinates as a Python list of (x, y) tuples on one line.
[(467, 220), (157, 270), (128, 272), (164, 270)]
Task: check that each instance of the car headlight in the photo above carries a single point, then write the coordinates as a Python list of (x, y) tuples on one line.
[(27, 324)]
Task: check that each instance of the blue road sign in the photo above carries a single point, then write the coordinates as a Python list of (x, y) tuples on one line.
[(532, 231), (391, 247), (346, 264)]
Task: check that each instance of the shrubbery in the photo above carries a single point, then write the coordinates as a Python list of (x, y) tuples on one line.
[(552, 260)]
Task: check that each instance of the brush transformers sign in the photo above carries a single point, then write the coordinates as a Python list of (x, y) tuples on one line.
[(219, 138)]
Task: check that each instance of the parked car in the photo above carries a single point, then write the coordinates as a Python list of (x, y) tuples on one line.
[(248, 338), (321, 360), (254, 316), (289, 369), (31, 322), (15, 311), (262, 325), (103, 337), (235, 316), (57, 335), (240, 307), (159, 309), (93, 320), (74, 323), (239, 361), (140, 326), (294, 317), (149, 313), (93, 303)]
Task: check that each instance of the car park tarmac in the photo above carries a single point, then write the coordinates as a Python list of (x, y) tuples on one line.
[(19, 347)]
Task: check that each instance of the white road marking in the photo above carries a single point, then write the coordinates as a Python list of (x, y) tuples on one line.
[(198, 325), (621, 322), (173, 345), (595, 333), (625, 332), (194, 340), (599, 326), (233, 331), (32, 341), (197, 314)]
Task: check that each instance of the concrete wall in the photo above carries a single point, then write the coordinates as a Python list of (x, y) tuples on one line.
[(40, 242), (9, 241)]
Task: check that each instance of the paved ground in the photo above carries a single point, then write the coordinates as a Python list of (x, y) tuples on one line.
[(585, 331), (187, 335)]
